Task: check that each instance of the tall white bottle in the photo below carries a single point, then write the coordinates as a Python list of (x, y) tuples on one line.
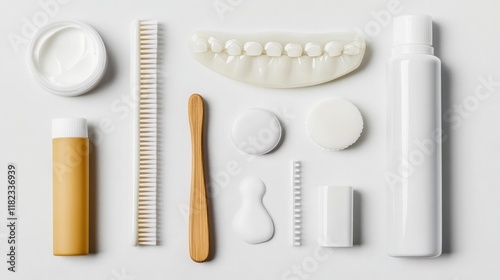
[(414, 141)]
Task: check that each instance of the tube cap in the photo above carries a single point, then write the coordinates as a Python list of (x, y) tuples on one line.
[(335, 216), (412, 30), (69, 128)]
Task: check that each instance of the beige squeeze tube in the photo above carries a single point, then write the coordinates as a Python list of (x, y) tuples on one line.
[(70, 169)]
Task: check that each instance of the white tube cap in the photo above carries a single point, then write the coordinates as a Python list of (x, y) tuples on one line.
[(69, 128), (412, 30), (335, 216)]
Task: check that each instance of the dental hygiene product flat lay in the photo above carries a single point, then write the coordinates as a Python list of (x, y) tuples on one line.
[(413, 121), (143, 68), (271, 138), (70, 164)]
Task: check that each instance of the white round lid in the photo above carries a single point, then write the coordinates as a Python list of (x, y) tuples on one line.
[(412, 30), (335, 124), (69, 128), (256, 131)]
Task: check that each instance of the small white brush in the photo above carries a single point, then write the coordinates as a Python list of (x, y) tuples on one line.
[(144, 81), (296, 203)]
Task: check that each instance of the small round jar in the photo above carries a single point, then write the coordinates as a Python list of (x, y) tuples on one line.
[(67, 58)]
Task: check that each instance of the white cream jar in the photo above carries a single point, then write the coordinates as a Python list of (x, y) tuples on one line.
[(67, 58)]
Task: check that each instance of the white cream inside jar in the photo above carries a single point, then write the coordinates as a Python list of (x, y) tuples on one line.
[(67, 58)]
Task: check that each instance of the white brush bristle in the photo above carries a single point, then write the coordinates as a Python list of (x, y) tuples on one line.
[(147, 76), (296, 203)]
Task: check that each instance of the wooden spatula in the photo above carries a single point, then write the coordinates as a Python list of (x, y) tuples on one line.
[(199, 229)]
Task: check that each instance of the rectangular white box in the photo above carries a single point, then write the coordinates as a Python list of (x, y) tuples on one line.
[(335, 216)]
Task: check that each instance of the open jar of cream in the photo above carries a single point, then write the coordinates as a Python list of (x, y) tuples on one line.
[(67, 58)]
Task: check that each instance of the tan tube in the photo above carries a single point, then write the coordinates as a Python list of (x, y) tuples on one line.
[(70, 155)]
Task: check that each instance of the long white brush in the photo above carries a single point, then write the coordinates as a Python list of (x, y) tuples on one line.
[(144, 81)]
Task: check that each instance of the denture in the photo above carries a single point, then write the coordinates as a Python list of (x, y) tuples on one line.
[(279, 60)]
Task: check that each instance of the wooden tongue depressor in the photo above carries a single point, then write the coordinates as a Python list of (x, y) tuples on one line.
[(199, 229)]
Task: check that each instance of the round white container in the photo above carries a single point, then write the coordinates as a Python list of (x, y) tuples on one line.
[(67, 58)]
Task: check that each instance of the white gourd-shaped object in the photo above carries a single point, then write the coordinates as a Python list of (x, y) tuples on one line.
[(252, 221)]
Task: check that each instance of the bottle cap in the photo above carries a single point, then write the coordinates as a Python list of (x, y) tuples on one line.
[(412, 30), (69, 128)]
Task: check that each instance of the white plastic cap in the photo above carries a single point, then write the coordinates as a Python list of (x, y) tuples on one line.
[(69, 128), (335, 216), (412, 30)]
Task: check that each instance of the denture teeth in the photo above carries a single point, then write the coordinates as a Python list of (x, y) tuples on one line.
[(199, 44), (215, 45), (313, 49), (352, 49), (276, 60), (253, 49), (333, 49), (273, 49), (293, 50), (233, 47)]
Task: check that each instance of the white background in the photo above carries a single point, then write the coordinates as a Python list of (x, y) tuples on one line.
[(467, 41)]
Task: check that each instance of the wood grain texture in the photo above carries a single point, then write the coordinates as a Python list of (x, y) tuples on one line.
[(199, 229)]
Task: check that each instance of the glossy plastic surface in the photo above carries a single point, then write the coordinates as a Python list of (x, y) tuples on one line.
[(70, 191), (335, 216), (414, 159)]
